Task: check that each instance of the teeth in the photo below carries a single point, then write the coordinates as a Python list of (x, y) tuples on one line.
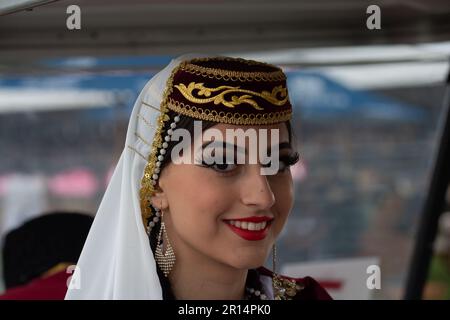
[(252, 226)]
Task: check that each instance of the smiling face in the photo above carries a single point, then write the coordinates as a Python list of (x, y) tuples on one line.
[(202, 204)]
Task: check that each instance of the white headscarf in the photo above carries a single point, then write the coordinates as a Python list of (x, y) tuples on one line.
[(116, 261)]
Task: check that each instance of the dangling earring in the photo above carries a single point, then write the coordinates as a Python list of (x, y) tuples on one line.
[(165, 260), (274, 259), (283, 289), (276, 281)]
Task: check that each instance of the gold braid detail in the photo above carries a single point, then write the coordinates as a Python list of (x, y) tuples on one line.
[(147, 189), (228, 75), (228, 117), (271, 97)]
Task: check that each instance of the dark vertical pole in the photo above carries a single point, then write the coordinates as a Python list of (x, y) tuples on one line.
[(433, 207)]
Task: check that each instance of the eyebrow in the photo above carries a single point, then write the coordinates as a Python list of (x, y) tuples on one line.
[(282, 145), (224, 144)]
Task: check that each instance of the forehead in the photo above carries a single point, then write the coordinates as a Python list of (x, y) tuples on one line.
[(260, 129)]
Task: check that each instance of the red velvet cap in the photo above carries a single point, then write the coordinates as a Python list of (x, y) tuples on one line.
[(230, 90)]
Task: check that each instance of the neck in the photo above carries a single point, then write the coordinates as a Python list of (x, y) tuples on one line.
[(196, 276)]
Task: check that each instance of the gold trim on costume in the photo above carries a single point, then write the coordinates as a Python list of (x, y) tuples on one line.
[(147, 189), (142, 139), (285, 289), (226, 75), (146, 121), (228, 117), (271, 97), (137, 152), (149, 105)]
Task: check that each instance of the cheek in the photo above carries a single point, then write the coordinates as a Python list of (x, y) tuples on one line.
[(283, 190), (195, 201)]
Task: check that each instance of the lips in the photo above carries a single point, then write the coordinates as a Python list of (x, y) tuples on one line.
[(250, 228)]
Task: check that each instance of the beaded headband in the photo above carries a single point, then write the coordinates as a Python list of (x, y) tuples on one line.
[(219, 89)]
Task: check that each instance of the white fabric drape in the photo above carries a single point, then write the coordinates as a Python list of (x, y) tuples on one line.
[(116, 261)]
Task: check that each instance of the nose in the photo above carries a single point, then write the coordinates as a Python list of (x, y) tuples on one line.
[(256, 190)]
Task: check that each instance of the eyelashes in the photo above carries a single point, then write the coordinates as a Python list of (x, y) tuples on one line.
[(285, 162), (223, 167), (290, 159)]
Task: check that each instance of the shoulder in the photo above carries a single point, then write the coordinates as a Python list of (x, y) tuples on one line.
[(289, 288)]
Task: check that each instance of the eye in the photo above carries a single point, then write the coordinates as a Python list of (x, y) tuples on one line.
[(224, 167), (221, 167), (286, 161)]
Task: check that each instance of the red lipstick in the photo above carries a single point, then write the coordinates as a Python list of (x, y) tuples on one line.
[(250, 235)]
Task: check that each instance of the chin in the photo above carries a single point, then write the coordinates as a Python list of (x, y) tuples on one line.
[(249, 263)]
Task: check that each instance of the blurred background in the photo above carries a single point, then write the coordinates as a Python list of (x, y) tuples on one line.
[(369, 107)]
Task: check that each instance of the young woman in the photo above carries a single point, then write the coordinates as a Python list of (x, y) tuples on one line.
[(201, 192)]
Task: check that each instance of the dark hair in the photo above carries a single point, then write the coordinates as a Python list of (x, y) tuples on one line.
[(188, 124)]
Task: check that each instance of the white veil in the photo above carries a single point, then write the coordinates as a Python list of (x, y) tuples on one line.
[(116, 261)]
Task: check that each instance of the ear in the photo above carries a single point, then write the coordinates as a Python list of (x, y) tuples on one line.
[(159, 200)]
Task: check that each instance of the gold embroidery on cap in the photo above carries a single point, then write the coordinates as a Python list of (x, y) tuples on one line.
[(188, 93), (226, 75), (229, 117)]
